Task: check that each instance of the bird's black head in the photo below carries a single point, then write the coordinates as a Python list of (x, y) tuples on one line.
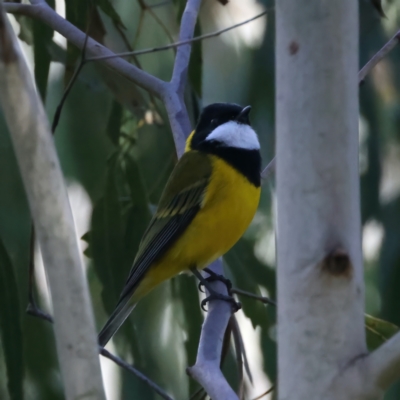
[(224, 130), (216, 115)]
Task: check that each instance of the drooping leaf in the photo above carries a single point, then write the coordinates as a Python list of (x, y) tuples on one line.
[(138, 214), (108, 8), (180, 7), (378, 331), (10, 326), (114, 123), (378, 7), (25, 28), (42, 39), (118, 221), (76, 12), (106, 238), (390, 261)]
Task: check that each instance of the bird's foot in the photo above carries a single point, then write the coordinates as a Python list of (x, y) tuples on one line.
[(213, 295), (236, 306), (213, 278)]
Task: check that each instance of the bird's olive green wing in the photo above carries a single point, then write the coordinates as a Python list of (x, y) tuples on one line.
[(179, 203)]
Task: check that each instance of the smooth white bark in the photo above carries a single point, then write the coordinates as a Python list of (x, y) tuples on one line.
[(207, 369), (320, 273), (44, 184)]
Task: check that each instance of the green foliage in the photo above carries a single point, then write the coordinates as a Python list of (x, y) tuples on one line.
[(107, 7), (42, 39), (10, 326), (118, 221), (378, 331)]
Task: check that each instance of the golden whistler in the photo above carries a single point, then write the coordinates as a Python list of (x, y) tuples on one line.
[(207, 204)]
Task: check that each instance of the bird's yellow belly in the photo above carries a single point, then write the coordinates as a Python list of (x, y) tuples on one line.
[(227, 210)]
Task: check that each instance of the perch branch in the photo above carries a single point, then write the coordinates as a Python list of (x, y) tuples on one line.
[(181, 65), (207, 367), (173, 94)]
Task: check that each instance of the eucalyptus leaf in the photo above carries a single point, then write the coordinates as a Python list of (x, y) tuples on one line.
[(378, 331), (108, 8), (106, 238), (10, 326), (42, 39)]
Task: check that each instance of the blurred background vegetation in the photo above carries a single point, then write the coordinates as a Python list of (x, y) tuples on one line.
[(116, 151)]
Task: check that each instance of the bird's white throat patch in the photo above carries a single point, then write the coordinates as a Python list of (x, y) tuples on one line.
[(236, 135)]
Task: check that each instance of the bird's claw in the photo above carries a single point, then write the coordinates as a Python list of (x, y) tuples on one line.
[(218, 296), (217, 277), (200, 286)]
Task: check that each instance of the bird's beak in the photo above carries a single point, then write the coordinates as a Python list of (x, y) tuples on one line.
[(243, 116)]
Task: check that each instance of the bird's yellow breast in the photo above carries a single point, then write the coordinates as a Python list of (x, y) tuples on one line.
[(229, 205), (227, 210)]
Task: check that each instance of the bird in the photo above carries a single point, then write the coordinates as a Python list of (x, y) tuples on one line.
[(207, 204)]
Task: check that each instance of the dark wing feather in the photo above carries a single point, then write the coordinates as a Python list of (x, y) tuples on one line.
[(179, 204)]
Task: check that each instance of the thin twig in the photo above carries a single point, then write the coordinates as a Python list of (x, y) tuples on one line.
[(60, 106), (81, 64), (263, 299), (382, 53), (265, 393), (268, 170), (37, 312), (126, 42), (134, 371), (180, 43)]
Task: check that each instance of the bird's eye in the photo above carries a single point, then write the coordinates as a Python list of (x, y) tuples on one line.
[(214, 122)]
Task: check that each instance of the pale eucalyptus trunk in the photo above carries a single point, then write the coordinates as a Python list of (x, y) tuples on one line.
[(320, 270)]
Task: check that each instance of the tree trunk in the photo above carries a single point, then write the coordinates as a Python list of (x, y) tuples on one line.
[(320, 272), (47, 196)]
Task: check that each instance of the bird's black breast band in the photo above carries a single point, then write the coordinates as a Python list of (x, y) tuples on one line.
[(247, 162)]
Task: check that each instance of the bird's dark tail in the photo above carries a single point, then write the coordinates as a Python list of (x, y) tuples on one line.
[(117, 318)]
